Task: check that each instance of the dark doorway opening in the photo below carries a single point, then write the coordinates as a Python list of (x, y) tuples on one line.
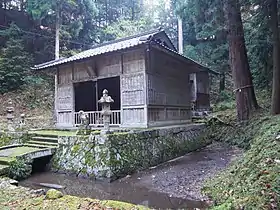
[(112, 84), (85, 96)]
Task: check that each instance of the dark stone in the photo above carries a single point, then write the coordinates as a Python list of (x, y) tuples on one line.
[(55, 186), (38, 192), (14, 182)]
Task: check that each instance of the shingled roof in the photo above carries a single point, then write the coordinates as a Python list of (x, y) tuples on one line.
[(107, 47), (116, 45)]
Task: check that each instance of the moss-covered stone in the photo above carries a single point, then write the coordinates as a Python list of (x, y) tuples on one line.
[(122, 205), (53, 194), (118, 154), (12, 197)]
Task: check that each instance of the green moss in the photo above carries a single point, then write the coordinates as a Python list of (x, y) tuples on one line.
[(20, 198), (6, 160), (136, 149), (253, 181), (53, 194), (90, 159), (19, 169), (96, 132), (121, 205), (225, 206), (54, 132), (5, 139), (18, 151), (75, 149)]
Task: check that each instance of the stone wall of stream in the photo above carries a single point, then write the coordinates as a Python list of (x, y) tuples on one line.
[(117, 154)]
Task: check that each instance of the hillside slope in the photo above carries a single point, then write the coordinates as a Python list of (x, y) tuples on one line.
[(253, 181), (36, 102)]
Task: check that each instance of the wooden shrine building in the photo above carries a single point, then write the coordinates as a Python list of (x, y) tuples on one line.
[(150, 82)]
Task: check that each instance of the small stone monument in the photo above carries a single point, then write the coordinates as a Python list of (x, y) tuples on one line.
[(84, 119), (105, 102), (22, 121), (10, 115)]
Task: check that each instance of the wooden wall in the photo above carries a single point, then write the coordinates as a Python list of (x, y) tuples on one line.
[(168, 90), (65, 97), (130, 66), (133, 90)]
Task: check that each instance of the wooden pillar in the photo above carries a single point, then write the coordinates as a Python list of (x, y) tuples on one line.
[(56, 80), (96, 95)]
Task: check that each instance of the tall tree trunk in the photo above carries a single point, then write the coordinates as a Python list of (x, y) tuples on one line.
[(275, 108), (246, 101), (222, 82)]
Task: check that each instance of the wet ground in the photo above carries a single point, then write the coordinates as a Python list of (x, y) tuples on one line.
[(175, 184), (183, 177)]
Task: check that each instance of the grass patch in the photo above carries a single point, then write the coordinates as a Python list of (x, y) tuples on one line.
[(17, 151), (54, 132), (6, 160)]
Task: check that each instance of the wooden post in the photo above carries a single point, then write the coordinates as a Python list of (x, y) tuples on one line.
[(122, 63), (96, 95), (180, 36), (56, 79)]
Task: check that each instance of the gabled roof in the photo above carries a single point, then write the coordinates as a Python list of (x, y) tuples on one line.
[(157, 36), (112, 46)]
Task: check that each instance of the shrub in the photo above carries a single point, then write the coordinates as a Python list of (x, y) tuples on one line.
[(226, 96), (19, 169), (4, 139)]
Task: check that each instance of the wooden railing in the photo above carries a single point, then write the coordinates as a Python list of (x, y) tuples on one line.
[(95, 118)]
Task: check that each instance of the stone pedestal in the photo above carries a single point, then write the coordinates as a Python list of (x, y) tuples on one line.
[(105, 102), (102, 157)]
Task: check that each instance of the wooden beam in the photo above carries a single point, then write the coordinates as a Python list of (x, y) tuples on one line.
[(90, 71), (57, 75), (148, 58), (95, 67)]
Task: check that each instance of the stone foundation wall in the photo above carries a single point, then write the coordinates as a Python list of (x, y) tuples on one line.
[(118, 154), (75, 155)]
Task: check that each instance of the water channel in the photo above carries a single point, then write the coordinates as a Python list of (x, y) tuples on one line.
[(122, 191), (175, 184)]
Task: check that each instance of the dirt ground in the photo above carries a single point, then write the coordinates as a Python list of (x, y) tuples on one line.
[(183, 177)]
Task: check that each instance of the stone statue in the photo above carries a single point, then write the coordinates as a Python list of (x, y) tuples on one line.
[(84, 119), (22, 120), (105, 102)]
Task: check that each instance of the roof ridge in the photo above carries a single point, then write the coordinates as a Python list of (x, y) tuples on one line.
[(126, 38)]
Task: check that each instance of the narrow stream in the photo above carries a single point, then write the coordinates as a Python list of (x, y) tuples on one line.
[(122, 191), (169, 185)]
